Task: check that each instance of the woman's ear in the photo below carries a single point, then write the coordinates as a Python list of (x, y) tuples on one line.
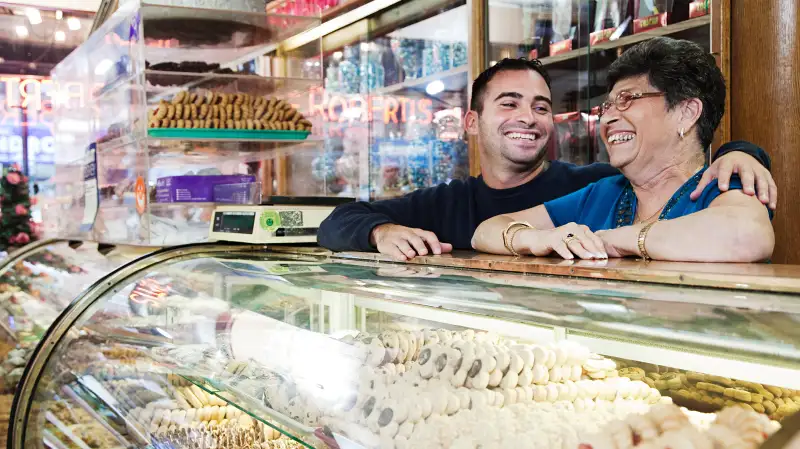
[(471, 123), (691, 110)]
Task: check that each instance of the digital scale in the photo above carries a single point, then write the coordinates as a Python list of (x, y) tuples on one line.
[(279, 219)]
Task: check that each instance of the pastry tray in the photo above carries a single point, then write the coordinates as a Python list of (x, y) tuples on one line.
[(225, 134)]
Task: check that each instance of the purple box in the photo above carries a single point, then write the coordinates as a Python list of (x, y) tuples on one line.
[(194, 189), (243, 193)]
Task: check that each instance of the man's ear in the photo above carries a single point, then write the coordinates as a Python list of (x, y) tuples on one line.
[(471, 122)]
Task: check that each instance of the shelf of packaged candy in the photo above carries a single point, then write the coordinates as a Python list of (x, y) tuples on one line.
[(566, 30), (39, 282)]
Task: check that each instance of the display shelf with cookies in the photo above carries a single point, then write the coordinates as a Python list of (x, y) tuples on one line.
[(167, 92), (238, 345)]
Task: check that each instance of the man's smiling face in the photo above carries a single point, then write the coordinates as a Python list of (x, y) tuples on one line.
[(516, 120)]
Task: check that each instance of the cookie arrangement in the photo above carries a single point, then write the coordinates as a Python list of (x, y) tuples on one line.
[(666, 426), (428, 388), (709, 393), (216, 110)]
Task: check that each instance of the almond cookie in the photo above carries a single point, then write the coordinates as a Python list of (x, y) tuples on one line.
[(192, 98), (165, 123), (224, 99), (237, 113), (229, 111), (187, 112), (710, 387), (695, 377), (259, 112), (229, 124), (153, 124), (198, 99), (269, 114), (280, 104), (179, 97), (216, 123), (739, 395), (207, 123), (292, 126), (204, 109), (720, 380), (290, 114), (250, 124), (307, 123), (208, 98), (181, 123)]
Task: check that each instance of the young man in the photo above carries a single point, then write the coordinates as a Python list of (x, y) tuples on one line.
[(511, 115)]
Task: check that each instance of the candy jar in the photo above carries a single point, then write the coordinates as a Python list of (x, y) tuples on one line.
[(459, 54), (332, 76), (410, 55), (349, 77)]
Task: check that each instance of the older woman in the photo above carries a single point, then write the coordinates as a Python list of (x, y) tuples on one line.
[(666, 100)]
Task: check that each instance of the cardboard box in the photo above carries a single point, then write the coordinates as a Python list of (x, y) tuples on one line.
[(194, 189)]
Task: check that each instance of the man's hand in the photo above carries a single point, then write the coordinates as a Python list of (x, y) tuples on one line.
[(754, 176), (404, 243)]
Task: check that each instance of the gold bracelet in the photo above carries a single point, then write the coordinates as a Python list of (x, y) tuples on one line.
[(642, 238), (512, 229)]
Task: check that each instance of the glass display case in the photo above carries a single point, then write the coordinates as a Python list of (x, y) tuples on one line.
[(168, 110), (236, 346), (577, 40), (38, 282)]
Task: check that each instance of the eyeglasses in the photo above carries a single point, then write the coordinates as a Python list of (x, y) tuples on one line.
[(624, 99)]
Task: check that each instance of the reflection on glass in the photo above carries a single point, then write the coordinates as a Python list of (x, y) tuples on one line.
[(393, 106)]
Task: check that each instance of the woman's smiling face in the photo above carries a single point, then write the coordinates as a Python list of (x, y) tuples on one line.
[(643, 129)]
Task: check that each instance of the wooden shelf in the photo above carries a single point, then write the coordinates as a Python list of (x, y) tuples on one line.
[(629, 40)]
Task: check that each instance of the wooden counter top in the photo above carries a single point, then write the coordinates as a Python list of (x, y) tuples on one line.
[(754, 277)]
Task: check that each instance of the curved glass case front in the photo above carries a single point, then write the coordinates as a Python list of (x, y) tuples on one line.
[(214, 346), (38, 282)]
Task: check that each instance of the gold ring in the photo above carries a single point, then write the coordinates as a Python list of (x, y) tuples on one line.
[(569, 239)]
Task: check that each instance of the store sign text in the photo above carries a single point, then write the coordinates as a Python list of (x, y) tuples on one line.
[(382, 108), (36, 96)]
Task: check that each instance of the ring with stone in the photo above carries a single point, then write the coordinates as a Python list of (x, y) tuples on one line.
[(570, 237)]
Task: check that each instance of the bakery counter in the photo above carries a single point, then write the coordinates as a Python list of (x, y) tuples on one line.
[(38, 281), (220, 345)]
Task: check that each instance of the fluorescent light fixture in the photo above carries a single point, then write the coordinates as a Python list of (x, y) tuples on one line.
[(59, 15), (74, 24), (61, 36), (34, 16), (337, 55), (102, 67), (434, 87), (338, 23), (22, 31)]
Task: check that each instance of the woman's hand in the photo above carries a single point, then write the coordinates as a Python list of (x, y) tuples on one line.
[(568, 241), (621, 242)]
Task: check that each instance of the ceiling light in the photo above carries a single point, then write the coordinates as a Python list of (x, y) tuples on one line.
[(22, 31), (2, 60), (59, 15), (337, 55), (33, 16), (73, 23), (61, 36), (434, 87)]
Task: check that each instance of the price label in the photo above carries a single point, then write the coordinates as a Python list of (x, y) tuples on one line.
[(91, 193)]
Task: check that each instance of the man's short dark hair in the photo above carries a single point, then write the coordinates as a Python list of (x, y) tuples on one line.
[(505, 65), (682, 70)]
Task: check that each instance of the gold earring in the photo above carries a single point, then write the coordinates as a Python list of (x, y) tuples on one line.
[(681, 132)]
